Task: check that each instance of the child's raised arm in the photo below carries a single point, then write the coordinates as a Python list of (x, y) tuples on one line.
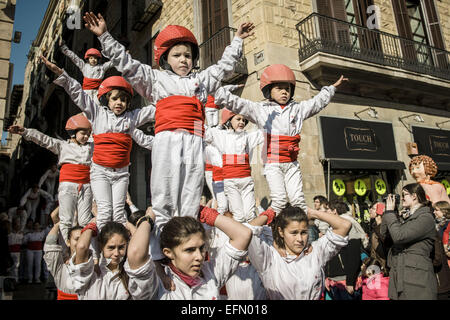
[(74, 89), (212, 76), (52, 144), (72, 56), (137, 252)]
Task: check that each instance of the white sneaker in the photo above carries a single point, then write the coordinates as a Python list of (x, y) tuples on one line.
[(37, 281)]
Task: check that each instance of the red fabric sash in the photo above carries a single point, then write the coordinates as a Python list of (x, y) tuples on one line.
[(91, 84), (180, 113), (77, 173), (112, 150), (208, 166), (210, 103), (14, 248), (281, 149), (190, 281), (217, 173), (34, 245), (236, 166), (66, 296)]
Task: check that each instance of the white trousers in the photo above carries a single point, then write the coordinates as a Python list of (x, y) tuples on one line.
[(14, 272), (241, 198), (34, 258), (219, 192), (50, 184), (71, 201), (212, 116), (285, 183), (109, 188), (176, 180), (31, 208)]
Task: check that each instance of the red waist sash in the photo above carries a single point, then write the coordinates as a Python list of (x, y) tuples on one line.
[(217, 173), (210, 103), (180, 113), (281, 149), (91, 84), (66, 296), (34, 245), (208, 166), (77, 173), (236, 166), (14, 248), (112, 150)]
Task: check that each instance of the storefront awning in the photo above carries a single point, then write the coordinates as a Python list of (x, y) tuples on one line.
[(364, 164), (358, 144), (435, 143)]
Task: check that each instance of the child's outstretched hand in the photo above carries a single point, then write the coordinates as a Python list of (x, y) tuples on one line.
[(15, 129), (245, 30), (339, 82), (95, 24), (51, 66)]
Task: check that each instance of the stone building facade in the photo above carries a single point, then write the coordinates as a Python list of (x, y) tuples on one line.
[(398, 75)]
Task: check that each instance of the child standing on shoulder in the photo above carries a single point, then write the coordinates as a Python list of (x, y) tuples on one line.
[(93, 71), (113, 127), (74, 192), (236, 146), (180, 95), (282, 118)]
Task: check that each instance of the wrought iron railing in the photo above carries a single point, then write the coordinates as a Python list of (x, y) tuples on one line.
[(212, 49), (319, 33)]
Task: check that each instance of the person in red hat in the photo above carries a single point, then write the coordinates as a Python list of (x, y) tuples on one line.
[(114, 127), (74, 158), (180, 94), (282, 118), (236, 146), (93, 71)]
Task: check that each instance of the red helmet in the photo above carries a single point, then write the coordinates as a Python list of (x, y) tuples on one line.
[(276, 73), (170, 36), (226, 115), (92, 52), (78, 121), (114, 82)]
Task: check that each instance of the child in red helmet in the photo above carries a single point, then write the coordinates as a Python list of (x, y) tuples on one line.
[(180, 94), (236, 146), (74, 192), (114, 127), (282, 118), (93, 71)]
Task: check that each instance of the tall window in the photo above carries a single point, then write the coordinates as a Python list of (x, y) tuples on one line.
[(418, 21)]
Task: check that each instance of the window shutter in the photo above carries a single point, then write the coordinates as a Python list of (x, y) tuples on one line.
[(368, 39), (404, 30), (436, 34), (333, 31)]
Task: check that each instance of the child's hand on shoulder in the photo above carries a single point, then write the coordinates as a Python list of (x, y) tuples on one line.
[(339, 82), (245, 30)]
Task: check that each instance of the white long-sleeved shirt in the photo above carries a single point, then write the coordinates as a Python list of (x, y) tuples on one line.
[(269, 115), (156, 84), (93, 72), (231, 142), (293, 277), (30, 195), (49, 174), (54, 258), (216, 273), (107, 285), (103, 120), (67, 151), (35, 236)]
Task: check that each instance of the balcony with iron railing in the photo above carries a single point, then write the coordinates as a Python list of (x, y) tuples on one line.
[(212, 49), (370, 53)]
